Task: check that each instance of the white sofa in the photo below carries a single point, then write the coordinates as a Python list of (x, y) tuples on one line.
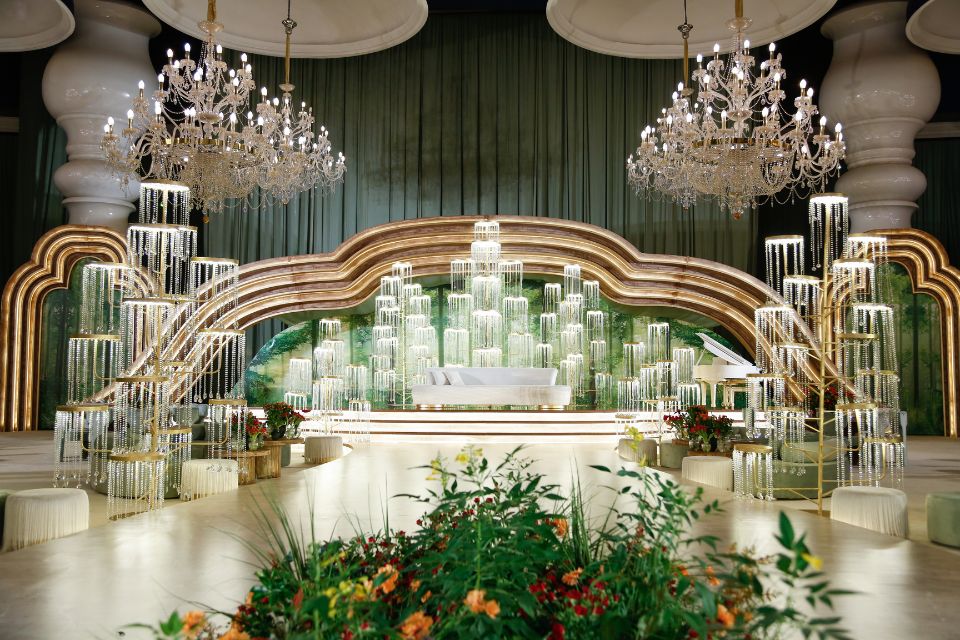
[(491, 386)]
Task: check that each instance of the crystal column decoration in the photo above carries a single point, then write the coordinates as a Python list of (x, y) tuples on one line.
[(753, 471), (634, 357), (846, 312), (299, 383), (683, 358), (130, 315), (225, 426), (829, 220), (658, 341), (785, 256), (80, 444)]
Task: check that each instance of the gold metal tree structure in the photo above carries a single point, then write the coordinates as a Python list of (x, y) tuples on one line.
[(826, 340), (126, 362)]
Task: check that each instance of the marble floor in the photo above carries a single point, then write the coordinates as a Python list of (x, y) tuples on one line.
[(136, 570)]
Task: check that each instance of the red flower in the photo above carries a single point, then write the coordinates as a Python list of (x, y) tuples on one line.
[(558, 632), (298, 599), (580, 610)]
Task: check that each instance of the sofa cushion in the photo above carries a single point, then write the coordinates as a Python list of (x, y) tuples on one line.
[(505, 376), (453, 377)]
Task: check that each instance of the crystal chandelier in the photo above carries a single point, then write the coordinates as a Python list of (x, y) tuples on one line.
[(197, 129), (295, 161), (733, 139)]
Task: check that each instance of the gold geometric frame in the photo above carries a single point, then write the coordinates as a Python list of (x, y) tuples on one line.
[(21, 309), (350, 274)]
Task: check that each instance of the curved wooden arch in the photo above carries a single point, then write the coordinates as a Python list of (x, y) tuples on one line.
[(21, 310), (930, 271), (350, 274)]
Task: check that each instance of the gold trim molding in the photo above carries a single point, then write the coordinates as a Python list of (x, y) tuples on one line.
[(21, 309), (350, 274)]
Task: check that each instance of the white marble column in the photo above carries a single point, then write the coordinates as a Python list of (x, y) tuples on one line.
[(91, 76), (883, 89)]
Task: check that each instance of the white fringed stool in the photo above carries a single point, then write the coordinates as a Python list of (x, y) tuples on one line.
[(201, 478), (876, 508), (320, 449), (715, 471), (630, 449), (38, 515)]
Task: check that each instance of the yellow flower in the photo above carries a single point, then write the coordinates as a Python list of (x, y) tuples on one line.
[(814, 561), (416, 626)]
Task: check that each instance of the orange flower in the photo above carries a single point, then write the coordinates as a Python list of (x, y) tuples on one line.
[(426, 596), (414, 585), (193, 623), (570, 578), (475, 600), (712, 578), (390, 582), (560, 526), (724, 616), (416, 626), (492, 608), (233, 633)]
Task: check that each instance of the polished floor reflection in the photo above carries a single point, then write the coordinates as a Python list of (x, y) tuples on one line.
[(91, 584)]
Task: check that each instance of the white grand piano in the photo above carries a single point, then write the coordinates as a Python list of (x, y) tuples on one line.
[(726, 365)]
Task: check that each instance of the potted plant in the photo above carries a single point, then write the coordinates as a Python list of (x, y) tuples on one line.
[(280, 417), (698, 428), (256, 431)]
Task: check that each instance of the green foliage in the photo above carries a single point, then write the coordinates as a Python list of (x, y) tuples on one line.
[(500, 553)]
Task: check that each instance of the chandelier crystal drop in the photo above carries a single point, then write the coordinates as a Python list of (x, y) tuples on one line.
[(197, 128), (731, 136)]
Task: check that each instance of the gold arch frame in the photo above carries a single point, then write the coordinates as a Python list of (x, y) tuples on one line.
[(350, 274), (21, 309)]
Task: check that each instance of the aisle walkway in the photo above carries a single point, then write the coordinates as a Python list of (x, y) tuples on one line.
[(139, 569)]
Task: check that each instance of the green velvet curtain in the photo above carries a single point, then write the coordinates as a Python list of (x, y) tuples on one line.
[(28, 160), (939, 205), (481, 114)]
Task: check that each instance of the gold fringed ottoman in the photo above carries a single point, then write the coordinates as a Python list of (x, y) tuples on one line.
[(321, 449)]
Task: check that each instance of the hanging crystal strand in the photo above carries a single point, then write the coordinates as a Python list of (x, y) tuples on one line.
[(460, 273), (689, 393), (683, 357), (785, 256), (828, 214), (603, 383), (572, 282), (634, 357), (803, 293), (591, 295), (552, 296), (520, 348), (544, 356), (658, 341), (515, 314)]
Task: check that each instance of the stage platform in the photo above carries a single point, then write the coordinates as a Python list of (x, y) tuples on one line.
[(520, 426)]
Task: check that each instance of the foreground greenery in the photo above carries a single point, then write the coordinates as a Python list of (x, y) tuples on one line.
[(500, 553)]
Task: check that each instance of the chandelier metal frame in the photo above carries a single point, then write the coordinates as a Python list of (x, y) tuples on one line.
[(732, 139)]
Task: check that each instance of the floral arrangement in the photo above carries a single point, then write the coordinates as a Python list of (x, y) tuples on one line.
[(831, 397), (696, 423), (490, 560), (282, 420), (255, 430)]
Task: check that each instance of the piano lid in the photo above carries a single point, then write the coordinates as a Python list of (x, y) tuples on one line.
[(722, 352)]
